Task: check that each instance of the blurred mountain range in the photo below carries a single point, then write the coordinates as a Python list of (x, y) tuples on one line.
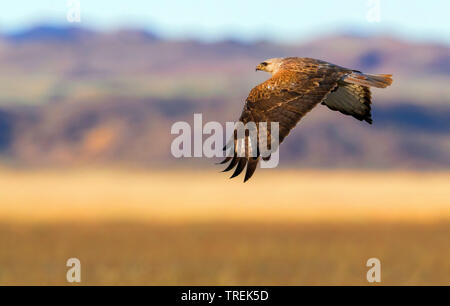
[(71, 96)]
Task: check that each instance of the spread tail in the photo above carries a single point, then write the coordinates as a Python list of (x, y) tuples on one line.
[(369, 80)]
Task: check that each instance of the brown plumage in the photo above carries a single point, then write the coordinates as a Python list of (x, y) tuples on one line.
[(297, 85)]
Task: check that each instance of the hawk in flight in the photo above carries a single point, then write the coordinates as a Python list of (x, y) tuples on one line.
[(297, 85)]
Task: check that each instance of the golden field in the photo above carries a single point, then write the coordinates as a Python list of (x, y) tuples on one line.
[(199, 228)]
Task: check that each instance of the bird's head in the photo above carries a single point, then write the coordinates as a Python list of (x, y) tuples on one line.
[(271, 65)]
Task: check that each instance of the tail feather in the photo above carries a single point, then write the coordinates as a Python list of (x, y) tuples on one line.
[(369, 80)]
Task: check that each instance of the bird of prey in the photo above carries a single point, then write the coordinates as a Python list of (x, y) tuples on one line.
[(297, 85)]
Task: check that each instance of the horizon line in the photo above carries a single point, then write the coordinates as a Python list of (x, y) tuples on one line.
[(158, 34)]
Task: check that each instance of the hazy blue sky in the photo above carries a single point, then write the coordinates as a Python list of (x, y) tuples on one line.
[(246, 19)]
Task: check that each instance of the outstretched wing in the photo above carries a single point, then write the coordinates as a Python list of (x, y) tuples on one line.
[(285, 98), (352, 96), (350, 99)]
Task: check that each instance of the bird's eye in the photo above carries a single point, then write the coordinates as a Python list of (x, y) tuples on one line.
[(264, 64)]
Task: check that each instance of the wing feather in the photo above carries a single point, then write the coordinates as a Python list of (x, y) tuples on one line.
[(251, 168), (351, 99), (241, 166), (233, 163)]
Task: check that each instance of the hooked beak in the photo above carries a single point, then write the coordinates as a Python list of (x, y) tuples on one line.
[(259, 67)]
